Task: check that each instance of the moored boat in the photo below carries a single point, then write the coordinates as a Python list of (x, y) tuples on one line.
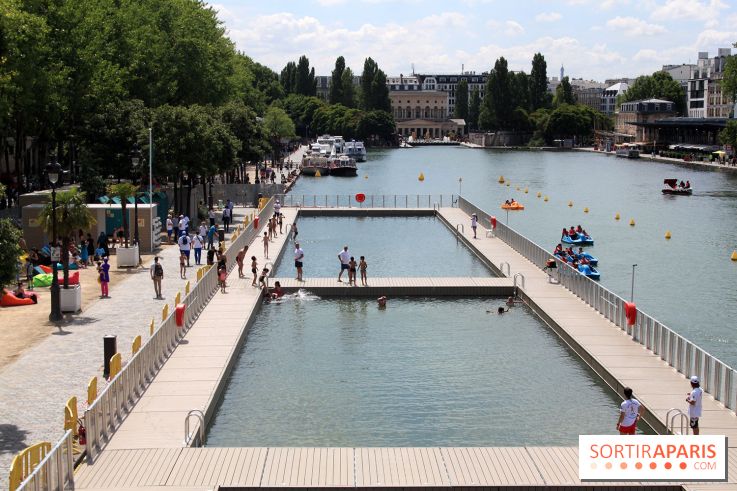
[(589, 272), (343, 166), (579, 240), (628, 150), (312, 164), (356, 150)]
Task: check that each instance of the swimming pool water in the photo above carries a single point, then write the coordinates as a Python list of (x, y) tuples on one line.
[(393, 246), (422, 372)]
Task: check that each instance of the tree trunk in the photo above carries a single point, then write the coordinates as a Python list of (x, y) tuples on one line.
[(204, 190), (123, 205)]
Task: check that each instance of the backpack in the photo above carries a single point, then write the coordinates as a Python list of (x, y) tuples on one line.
[(185, 240), (158, 270)]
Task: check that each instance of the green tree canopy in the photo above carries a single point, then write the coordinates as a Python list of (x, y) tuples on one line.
[(538, 83), (659, 85), (474, 108), (9, 251), (374, 91), (497, 108), (564, 93), (461, 106), (335, 95)]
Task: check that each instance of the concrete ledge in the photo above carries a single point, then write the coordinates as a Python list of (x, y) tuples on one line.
[(366, 212), (396, 287)]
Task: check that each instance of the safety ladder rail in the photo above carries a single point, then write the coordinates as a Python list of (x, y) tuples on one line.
[(509, 268), (677, 413), (461, 229), (201, 430), (522, 282)]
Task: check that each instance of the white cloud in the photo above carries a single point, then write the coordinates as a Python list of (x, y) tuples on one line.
[(646, 55), (632, 26), (708, 11), (608, 4), (711, 38), (548, 17), (444, 19), (513, 28)]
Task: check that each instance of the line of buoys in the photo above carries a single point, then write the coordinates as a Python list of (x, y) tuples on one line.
[(632, 222), (421, 177), (501, 179), (526, 190), (570, 204), (539, 194), (546, 199), (616, 217), (733, 257), (667, 235), (508, 184), (586, 210)]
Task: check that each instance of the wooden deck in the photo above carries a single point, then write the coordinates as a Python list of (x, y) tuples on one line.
[(252, 467), (402, 286)]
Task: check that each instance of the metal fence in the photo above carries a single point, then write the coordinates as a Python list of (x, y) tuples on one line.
[(56, 471), (370, 200), (717, 378), (107, 412)]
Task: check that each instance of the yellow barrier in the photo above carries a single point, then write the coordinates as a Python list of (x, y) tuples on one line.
[(199, 274), (178, 299), (186, 288), (136, 345), (91, 391), (115, 362), (262, 202), (24, 463), (70, 415), (151, 328), (165, 312)]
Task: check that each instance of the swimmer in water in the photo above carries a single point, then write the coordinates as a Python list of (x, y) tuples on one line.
[(382, 302)]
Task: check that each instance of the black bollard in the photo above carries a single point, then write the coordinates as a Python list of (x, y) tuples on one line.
[(110, 347)]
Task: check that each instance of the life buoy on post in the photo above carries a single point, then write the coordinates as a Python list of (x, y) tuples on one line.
[(493, 222), (179, 314), (630, 312)]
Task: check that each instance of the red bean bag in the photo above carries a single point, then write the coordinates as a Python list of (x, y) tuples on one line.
[(73, 279), (47, 269), (10, 300)]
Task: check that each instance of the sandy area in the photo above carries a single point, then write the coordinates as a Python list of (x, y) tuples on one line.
[(25, 326)]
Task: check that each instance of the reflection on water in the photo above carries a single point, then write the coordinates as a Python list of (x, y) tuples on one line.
[(686, 282), (421, 372)]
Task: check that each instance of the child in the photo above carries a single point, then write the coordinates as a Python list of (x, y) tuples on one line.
[(352, 271), (29, 273), (222, 274), (264, 278), (266, 244), (254, 265), (182, 266), (362, 266)]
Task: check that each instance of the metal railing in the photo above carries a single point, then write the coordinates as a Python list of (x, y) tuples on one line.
[(189, 439), (670, 420), (56, 471), (717, 378), (108, 411), (370, 200)]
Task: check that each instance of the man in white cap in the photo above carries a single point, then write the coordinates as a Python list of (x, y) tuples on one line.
[(277, 207), (693, 399)]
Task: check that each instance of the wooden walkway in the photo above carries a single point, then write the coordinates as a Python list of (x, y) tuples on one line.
[(205, 468), (402, 286), (618, 359)]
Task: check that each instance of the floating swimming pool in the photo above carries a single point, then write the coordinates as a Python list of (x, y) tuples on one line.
[(422, 372), (394, 246)]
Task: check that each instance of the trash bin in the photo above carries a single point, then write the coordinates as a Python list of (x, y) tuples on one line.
[(221, 235)]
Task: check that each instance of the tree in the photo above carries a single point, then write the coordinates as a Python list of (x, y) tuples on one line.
[(288, 78), (9, 251), (497, 108), (461, 107), (124, 191), (729, 82), (728, 136), (564, 93), (72, 214), (659, 85), (305, 82), (277, 126), (519, 84), (474, 108), (367, 79), (335, 95), (538, 83), (349, 91)]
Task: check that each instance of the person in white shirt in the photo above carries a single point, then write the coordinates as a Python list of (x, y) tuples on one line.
[(203, 230), (197, 243), (169, 228), (184, 224), (474, 223), (277, 207), (694, 404), (299, 255), (345, 258), (184, 245), (226, 219), (629, 414), (211, 216)]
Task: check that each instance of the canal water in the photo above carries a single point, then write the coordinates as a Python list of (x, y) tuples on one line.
[(422, 372), (393, 246), (687, 282)]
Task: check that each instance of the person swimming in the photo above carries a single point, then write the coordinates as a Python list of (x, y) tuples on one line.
[(381, 301)]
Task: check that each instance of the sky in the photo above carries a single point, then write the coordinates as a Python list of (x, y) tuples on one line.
[(592, 39)]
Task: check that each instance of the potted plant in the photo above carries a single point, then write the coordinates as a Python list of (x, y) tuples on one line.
[(126, 257), (72, 214)]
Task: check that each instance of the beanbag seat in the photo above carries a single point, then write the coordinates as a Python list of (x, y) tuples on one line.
[(73, 279), (10, 300), (71, 266), (41, 280)]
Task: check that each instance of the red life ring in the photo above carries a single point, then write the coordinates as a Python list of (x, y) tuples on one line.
[(360, 197)]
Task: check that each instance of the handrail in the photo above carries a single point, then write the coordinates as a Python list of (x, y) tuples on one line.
[(677, 413), (718, 378), (522, 282), (409, 201), (509, 268), (188, 439), (462, 229), (56, 471)]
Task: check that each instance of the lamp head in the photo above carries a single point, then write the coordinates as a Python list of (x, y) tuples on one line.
[(53, 171)]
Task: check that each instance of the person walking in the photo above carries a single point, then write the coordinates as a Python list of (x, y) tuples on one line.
[(277, 207), (182, 266), (197, 243), (184, 245), (211, 216), (104, 271), (239, 259), (474, 223), (299, 256), (226, 219), (630, 412), (175, 226), (157, 274), (211, 235), (211, 255), (693, 399), (344, 258), (169, 229), (266, 245)]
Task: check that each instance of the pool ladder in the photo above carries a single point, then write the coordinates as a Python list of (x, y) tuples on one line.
[(522, 280), (188, 438), (509, 269), (682, 418)]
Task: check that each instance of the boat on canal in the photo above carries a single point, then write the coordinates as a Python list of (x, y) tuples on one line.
[(628, 150), (672, 187), (355, 150), (343, 166), (312, 164)]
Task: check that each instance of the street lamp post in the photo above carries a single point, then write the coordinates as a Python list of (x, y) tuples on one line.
[(460, 184), (136, 160), (53, 170), (632, 291)]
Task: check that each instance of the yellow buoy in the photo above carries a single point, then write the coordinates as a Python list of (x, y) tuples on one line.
[(501, 179), (517, 188), (539, 194), (317, 174), (526, 190), (632, 222), (546, 198), (366, 176), (616, 217), (667, 234), (507, 184), (586, 210), (733, 257), (421, 177), (570, 203)]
